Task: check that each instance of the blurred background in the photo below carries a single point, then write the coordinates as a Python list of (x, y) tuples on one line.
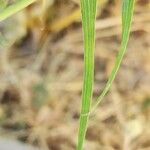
[(41, 70)]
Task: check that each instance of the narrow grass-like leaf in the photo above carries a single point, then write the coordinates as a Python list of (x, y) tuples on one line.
[(127, 13), (12, 9), (88, 10)]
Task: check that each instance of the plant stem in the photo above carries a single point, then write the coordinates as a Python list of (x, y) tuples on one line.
[(14, 8), (88, 10), (127, 15)]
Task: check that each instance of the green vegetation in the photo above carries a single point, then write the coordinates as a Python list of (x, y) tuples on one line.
[(88, 9), (12, 9)]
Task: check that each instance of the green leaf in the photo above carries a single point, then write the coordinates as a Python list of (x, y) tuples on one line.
[(14, 8), (88, 10), (127, 14)]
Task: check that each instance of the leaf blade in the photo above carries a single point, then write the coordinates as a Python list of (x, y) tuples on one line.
[(127, 15), (88, 11), (14, 8)]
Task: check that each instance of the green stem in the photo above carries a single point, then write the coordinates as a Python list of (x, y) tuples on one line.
[(88, 10), (14, 8), (127, 15)]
